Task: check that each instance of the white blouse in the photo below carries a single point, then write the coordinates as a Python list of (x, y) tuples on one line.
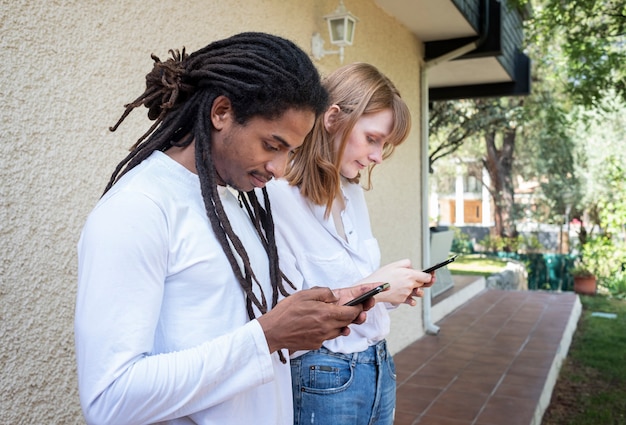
[(312, 253)]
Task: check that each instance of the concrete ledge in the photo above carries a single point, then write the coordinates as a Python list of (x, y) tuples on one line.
[(553, 374)]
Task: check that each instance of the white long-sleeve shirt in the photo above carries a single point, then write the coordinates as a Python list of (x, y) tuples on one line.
[(312, 253), (161, 329)]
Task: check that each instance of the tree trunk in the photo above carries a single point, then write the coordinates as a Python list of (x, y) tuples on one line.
[(499, 164)]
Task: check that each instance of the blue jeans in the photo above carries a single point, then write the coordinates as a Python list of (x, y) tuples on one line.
[(344, 389)]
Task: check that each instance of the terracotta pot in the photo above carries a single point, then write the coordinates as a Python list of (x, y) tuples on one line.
[(585, 285)]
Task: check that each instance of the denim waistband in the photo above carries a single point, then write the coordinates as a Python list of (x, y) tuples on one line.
[(376, 354)]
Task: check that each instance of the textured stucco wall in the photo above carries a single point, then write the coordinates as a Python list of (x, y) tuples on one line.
[(68, 66)]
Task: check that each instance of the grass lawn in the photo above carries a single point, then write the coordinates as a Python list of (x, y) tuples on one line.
[(591, 388), (476, 264)]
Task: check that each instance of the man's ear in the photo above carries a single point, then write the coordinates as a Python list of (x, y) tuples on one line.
[(221, 112), (330, 117)]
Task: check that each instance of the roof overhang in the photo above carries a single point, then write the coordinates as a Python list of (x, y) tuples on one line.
[(487, 36)]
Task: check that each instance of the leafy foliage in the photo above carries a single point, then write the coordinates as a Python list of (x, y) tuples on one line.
[(548, 144), (612, 205), (461, 244), (591, 35), (605, 253), (494, 121), (519, 244), (581, 270), (578, 49)]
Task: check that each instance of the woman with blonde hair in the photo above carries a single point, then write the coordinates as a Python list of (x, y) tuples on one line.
[(324, 238)]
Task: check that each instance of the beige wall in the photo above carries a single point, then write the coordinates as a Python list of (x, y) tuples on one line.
[(68, 66)]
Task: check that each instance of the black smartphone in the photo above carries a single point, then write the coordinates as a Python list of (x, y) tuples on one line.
[(443, 263), (369, 294)]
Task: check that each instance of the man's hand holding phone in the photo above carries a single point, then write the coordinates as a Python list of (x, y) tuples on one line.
[(307, 318), (360, 294), (369, 294)]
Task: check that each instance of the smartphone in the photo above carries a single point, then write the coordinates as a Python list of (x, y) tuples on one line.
[(443, 263), (369, 294)]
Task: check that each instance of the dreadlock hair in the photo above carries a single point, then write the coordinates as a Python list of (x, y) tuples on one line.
[(262, 75), (357, 89)]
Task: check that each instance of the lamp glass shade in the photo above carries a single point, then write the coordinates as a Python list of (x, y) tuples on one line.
[(349, 31), (341, 29)]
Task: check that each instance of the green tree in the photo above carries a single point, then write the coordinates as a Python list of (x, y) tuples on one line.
[(451, 124), (587, 39), (494, 122), (500, 139), (530, 137), (600, 142), (606, 251), (546, 154), (577, 49)]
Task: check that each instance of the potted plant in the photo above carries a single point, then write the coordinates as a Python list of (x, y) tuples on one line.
[(585, 281)]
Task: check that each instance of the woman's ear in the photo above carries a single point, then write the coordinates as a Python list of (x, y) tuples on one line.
[(330, 117), (221, 112)]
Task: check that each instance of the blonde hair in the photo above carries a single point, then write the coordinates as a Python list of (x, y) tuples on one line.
[(357, 89)]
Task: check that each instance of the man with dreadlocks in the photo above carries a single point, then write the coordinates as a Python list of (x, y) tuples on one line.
[(178, 318)]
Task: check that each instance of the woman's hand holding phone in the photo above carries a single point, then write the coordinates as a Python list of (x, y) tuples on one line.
[(404, 281)]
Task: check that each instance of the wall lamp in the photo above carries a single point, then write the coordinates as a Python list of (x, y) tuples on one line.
[(341, 24)]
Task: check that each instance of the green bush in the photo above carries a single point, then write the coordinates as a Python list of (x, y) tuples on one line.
[(605, 257), (531, 244), (616, 285), (502, 244), (605, 254), (461, 244)]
